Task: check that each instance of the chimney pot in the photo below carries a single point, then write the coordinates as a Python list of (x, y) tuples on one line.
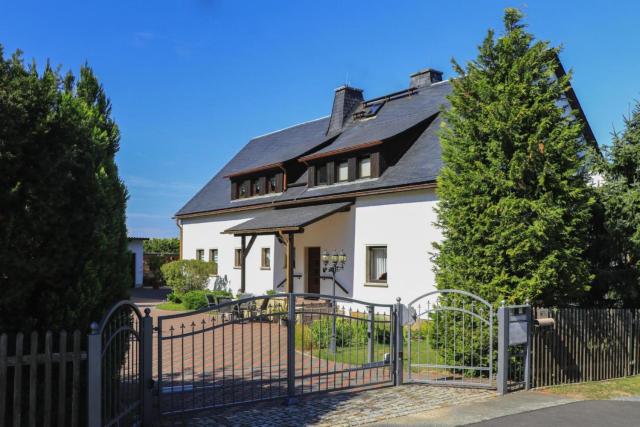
[(425, 77)]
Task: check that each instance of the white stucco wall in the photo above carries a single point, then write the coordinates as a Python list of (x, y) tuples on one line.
[(402, 221), (205, 233), (135, 246)]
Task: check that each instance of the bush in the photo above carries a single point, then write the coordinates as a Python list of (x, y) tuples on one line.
[(195, 300), (187, 275)]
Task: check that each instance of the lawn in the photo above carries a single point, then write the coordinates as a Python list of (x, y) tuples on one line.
[(609, 389), (359, 354), (172, 306)]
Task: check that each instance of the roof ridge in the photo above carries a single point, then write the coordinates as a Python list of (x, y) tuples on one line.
[(289, 127)]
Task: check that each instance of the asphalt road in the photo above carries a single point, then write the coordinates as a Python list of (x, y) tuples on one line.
[(600, 413)]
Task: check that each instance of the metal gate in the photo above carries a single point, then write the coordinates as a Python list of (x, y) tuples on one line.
[(119, 368), (450, 339), (272, 346)]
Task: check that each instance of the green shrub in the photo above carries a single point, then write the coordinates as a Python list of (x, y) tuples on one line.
[(187, 275), (173, 297), (194, 300)]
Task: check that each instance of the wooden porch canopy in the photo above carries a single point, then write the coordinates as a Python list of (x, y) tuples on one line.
[(283, 223)]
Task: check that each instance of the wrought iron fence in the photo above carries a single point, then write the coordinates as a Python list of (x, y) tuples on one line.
[(269, 347), (450, 340)]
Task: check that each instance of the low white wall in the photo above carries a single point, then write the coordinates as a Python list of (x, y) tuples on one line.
[(205, 233), (136, 247)]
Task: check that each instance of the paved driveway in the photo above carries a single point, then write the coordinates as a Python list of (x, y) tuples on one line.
[(337, 409), (590, 413)]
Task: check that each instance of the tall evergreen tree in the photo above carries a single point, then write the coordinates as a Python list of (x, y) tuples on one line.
[(63, 242), (617, 258), (514, 203)]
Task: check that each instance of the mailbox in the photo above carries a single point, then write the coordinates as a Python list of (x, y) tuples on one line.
[(518, 329), (546, 322)]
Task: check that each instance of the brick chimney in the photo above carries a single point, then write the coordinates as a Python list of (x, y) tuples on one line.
[(425, 77), (345, 101)]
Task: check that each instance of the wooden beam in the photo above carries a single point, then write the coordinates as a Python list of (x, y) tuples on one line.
[(290, 258), (248, 248)]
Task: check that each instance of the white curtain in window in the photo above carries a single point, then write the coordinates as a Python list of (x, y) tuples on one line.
[(378, 260), (365, 168)]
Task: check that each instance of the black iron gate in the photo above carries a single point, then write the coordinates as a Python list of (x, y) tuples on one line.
[(272, 346), (119, 368), (450, 339)]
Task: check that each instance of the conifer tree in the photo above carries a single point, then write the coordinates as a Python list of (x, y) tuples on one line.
[(63, 242), (514, 205), (617, 260)]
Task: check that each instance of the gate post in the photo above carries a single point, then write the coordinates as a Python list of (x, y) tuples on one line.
[(371, 333), (527, 358), (94, 370), (398, 344), (147, 366), (503, 348), (291, 349)]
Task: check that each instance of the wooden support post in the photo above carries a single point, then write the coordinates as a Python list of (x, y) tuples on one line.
[(290, 260), (243, 254), (243, 274)]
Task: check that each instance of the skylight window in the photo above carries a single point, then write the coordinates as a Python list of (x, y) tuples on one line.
[(368, 111)]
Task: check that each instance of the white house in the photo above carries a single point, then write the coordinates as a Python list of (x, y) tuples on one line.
[(361, 180), (135, 246)]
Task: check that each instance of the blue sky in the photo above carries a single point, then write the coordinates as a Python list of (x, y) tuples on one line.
[(192, 81)]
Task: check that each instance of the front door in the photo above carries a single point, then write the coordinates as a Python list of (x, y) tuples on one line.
[(313, 270)]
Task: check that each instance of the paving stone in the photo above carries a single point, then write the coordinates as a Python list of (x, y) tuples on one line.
[(337, 409)]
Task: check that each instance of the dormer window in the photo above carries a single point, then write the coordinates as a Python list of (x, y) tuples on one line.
[(256, 185), (364, 167), (321, 175)]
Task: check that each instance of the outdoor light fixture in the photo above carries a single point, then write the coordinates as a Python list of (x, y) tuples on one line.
[(333, 262)]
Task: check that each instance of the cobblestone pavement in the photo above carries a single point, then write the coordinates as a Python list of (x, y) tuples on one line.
[(337, 409)]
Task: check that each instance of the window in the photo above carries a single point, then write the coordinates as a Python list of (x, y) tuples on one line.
[(272, 185), (321, 174), (242, 190), (200, 254), (256, 187), (265, 258), (376, 264), (343, 172), (213, 255), (364, 167), (369, 110), (237, 261)]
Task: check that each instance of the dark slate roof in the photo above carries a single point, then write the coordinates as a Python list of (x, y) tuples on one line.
[(421, 163), (393, 118), (268, 149), (288, 218)]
